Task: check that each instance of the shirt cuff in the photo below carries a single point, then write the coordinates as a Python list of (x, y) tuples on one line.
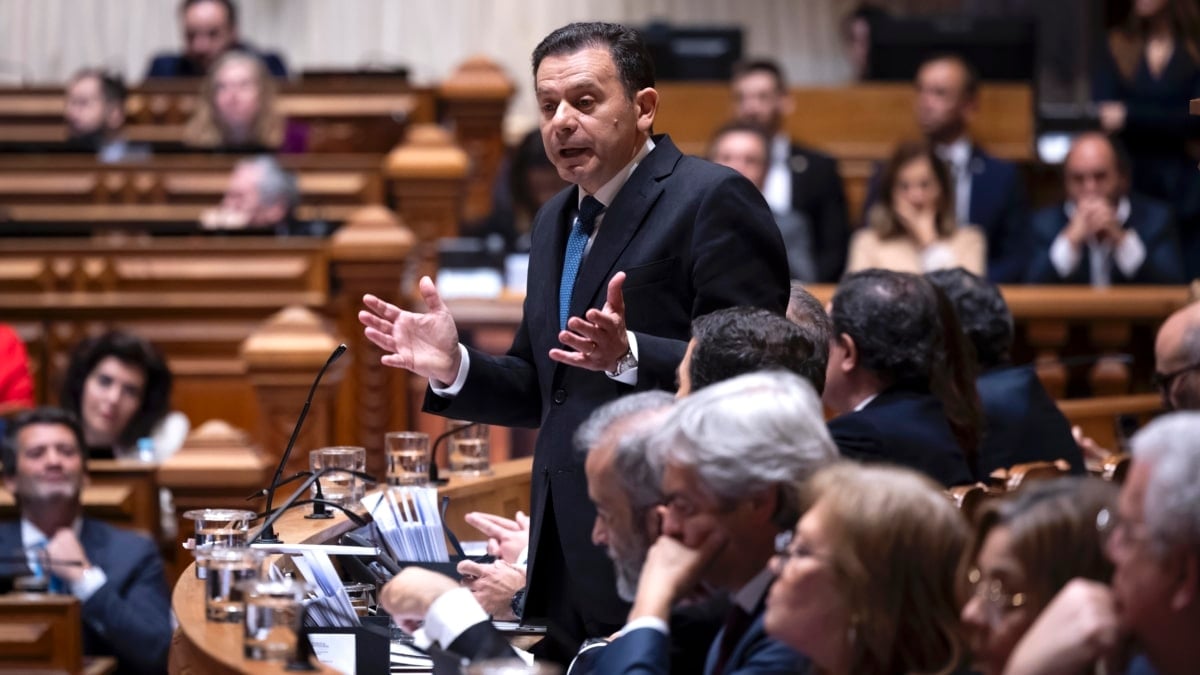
[(937, 256), (522, 558), (1064, 256), (451, 390), (451, 615), (630, 376), (1130, 254), (649, 622), (87, 585)]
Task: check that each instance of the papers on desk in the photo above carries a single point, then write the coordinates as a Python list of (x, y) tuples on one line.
[(410, 523), (331, 607)]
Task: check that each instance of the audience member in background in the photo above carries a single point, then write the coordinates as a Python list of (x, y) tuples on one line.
[(210, 28), (746, 148), (116, 575), (900, 377), (16, 385), (739, 340), (865, 584), (1142, 85), (261, 199), (1025, 549), (95, 116), (799, 180), (1023, 424), (856, 38), (1153, 541), (119, 386), (732, 458), (1103, 234), (913, 228), (987, 191), (530, 180), (236, 110)]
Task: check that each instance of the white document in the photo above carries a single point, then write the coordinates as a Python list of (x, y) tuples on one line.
[(336, 650)]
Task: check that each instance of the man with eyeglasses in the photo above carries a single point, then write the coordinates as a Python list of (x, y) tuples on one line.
[(116, 575), (1177, 359), (1154, 543)]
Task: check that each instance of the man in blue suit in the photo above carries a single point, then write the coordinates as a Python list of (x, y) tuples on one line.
[(988, 192), (1022, 422), (1103, 234), (210, 28), (116, 575)]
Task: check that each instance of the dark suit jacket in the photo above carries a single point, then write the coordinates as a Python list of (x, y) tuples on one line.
[(1023, 423), (818, 193), (1151, 220), (692, 237), (692, 625), (178, 65), (998, 206), (129, 617), (906, 428)]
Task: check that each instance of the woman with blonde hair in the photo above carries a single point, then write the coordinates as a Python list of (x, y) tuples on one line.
[(913, 227), (866, 583), (237, 110)]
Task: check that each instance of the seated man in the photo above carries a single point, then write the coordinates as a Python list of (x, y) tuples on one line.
[(899, 379), (261, 199), (1154, 545), (1023, 424), (733, 456), (1103, 234), (95, 115), (210, 28), (117, 575), (1177, 359)]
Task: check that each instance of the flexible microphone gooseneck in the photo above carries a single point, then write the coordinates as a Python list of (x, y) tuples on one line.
[(268, 524), (433, 453), (267, 534)]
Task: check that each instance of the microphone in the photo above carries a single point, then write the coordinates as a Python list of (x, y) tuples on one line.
[(267, 535), (268, 525), (433, 465)]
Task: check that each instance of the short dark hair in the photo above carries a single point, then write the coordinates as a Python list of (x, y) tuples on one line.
[(907, 334), (112, 87), (739, 340), (807, 312), (41, 415), (970, 74), (982, 313), (625, 45), (737, 126), (767, 66), (131, 350), (230, 9)]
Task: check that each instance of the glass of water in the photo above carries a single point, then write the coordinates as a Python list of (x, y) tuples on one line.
[(224, 569), (273, 611), (407, 457), (339, 487), (219, 528), (470, 448)]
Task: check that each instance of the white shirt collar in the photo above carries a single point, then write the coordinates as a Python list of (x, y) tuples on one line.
[(865, 402), (957, 153), (608, 192), (749, 595), (1123, 208), (31, 536)]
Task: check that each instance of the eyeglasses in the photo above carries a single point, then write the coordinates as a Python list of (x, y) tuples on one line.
[(1163, 381), (788, 547), (997, 598), (1115, 530)]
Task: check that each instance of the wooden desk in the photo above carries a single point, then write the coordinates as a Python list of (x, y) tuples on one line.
[(42, 634), (203, 647)]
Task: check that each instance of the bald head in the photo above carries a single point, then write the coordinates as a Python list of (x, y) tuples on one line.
[(1093, 170), (1177, 350)]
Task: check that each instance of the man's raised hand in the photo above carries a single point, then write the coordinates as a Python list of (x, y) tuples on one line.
[(424, 344)]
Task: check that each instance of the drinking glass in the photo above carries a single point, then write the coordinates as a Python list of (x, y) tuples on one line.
[(407, 457), (339, 487), (470, 448), (273, 612), (219, 528), (224, 569)]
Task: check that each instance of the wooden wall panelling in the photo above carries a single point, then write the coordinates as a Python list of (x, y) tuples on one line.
[(474, 100)]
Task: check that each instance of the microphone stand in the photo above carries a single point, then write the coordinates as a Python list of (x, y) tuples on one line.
[(267, 533), (434, 479), (323, 504), (268, 524)]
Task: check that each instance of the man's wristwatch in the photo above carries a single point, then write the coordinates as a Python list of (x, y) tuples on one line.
[(518, 603), (625, 363)]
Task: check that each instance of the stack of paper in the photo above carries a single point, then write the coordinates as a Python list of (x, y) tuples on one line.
[(332, 606), (409, 522)]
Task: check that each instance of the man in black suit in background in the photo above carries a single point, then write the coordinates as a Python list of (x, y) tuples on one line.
[(210, 28), (800, 180), (1022, 422), (663, 239)]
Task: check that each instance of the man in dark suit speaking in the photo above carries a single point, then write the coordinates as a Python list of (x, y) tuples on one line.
[(643, 241)]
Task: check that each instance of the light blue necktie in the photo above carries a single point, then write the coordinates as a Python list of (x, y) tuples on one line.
[(581, 229), (53, 584)]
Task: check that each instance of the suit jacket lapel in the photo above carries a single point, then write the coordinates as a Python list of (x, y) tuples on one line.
[(622, 220), (94, 544)]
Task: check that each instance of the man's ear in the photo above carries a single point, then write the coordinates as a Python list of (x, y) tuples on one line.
[(646, 101), (850, 362), (765, 504), (1187, 584)]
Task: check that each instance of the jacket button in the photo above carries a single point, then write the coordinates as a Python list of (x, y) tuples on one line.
[(560, 395)]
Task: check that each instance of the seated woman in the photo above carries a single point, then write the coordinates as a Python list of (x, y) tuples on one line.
[(120, 388), (236, 111), (1025, 549), (866, 584), (913, 228)]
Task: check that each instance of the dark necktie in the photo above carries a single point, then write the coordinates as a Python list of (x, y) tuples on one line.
[(581, 229), (737, 622)]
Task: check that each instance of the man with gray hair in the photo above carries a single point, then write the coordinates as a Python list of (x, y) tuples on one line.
[(733, 456), (1154, 544), (262, 198)]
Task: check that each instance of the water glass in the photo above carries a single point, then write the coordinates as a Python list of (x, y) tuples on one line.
[(273, 612), (407, 457), (219, 528), (224, 569), (470, 448), (339, 487)]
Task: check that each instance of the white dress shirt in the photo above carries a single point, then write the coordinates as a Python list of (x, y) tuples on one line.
[(957, 156), (777, 188)]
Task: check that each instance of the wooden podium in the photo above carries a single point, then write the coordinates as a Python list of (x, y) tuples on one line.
[(42, 633)]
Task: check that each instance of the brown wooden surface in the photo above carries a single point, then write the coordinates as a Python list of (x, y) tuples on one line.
[(40, 633)]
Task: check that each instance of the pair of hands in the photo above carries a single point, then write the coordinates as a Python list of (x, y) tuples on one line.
[(427, 343), (1094, 218), (1077, 629)]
